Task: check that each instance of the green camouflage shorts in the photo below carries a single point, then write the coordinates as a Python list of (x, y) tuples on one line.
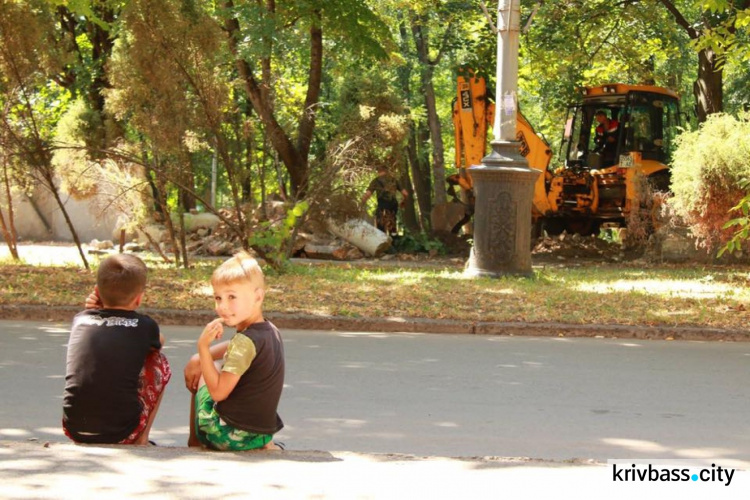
[(216, 434)]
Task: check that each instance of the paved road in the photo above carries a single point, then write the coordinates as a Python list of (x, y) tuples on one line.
[(448, 395)]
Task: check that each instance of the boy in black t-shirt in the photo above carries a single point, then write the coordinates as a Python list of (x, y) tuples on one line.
[(235, 408), (116, 372)]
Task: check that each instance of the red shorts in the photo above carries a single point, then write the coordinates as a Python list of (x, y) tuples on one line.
[(151, 383)]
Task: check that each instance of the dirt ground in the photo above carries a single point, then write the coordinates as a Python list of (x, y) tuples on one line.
[(561, 249)]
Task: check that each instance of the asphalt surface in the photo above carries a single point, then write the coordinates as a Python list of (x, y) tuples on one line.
[(378, 415), (447, 395)]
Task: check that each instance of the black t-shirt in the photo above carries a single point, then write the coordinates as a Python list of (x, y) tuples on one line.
[(252, 404), (385, 187), (106, 352)]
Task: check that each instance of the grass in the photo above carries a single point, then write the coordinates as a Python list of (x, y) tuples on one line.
[(621, 294)]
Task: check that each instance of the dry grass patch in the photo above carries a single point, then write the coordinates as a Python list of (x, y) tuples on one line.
[(658, 295)]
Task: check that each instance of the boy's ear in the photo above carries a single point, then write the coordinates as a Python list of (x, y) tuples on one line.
[(260, 294), (137, 300)]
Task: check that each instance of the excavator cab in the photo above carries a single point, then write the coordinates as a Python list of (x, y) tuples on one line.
[(645, 123), (582, 146)]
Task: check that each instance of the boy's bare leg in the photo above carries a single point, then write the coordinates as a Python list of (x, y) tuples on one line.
[(193, 438), (143, 438)]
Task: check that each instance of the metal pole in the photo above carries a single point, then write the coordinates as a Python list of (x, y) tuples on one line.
[(508, 26), (503, 183), (213, 177)]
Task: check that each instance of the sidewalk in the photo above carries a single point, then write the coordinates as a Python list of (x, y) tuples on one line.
[(44, 470), (61, 471)]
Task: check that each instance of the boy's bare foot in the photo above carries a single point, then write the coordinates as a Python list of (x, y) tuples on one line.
[(272, 446)]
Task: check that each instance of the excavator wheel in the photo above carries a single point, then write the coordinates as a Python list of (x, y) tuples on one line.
[(553, 226)]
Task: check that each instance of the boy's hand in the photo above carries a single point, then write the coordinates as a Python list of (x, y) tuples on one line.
[(214, 330), (93, 301)]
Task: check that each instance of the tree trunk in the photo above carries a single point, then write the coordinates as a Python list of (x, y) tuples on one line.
[(9, 229), (47, 175), (409, 213), (183, 242), (161, 191), (420, 172), (433, 120), (294, 158), (708, 88), (307, 121), (10, 238), (187, 179)]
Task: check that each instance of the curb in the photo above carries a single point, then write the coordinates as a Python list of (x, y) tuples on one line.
[(406, 325)]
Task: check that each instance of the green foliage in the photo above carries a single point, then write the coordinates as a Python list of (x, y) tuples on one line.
[(708, 170), (419, 243), (368, 112), (590, 42), (740, 224), (726, 31), (273, 239), (610, 235)]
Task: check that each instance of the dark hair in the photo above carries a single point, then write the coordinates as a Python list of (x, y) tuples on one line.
[(120, 279), (601, 112)]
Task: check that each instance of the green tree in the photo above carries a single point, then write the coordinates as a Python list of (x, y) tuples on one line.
[(28, 63), (294, 22), (88, 30), (712, 26)]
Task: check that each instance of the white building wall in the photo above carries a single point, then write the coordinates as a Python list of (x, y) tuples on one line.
[(90, 221)]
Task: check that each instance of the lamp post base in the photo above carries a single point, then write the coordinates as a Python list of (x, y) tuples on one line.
[(504, 191)]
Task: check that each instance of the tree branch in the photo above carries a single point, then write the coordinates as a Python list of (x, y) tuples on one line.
[(680, 19), (490, 21)]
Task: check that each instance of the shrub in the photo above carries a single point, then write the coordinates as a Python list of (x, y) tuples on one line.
[(707, 172)]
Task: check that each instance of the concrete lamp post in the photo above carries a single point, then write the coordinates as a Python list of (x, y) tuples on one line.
[(503, 183)]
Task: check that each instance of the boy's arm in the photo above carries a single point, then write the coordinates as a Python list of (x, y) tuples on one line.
[(219, 384), (193, 370), (161, 343)]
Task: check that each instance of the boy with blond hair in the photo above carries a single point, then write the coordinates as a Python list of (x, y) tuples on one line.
[(115, 371), (235, 407)]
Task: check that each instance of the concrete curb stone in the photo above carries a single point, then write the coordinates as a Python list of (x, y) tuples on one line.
[(408, 325)]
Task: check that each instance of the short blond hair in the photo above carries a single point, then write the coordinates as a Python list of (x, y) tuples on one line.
[(240, 267)]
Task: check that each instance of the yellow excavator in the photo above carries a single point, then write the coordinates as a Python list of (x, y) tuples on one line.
[(614, 136)]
